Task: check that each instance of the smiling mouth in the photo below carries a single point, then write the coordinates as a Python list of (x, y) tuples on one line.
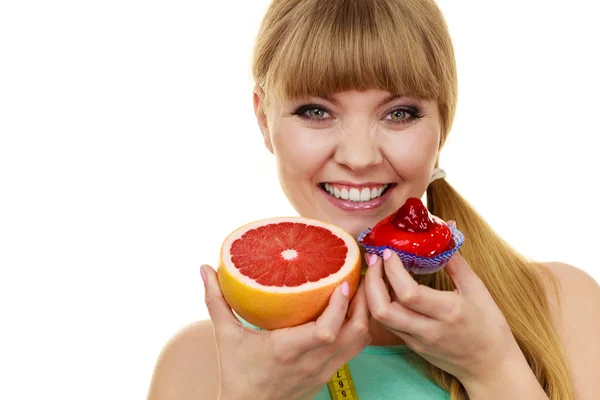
[(355, 194)]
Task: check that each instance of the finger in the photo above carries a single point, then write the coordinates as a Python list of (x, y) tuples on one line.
[(220, 313), (391, 314), (323, 331), (356, 327), (433, 303), (464, 278), (359, 308), (376, 285), (408, 339), (389, 287), (347, 354)]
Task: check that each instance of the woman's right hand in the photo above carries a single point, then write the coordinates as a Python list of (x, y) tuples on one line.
[(290, 363)]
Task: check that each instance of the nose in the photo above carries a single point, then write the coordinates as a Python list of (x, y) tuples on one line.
[(357, 148)]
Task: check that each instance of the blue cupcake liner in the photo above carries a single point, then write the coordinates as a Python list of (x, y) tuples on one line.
[(417, 264)]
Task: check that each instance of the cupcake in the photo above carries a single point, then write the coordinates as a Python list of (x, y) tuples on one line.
[(424, 242)]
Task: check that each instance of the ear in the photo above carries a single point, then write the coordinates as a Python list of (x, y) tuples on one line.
[(261, 116)]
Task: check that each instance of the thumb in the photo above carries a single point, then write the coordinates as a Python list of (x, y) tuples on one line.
[(462, 275), (459, 269), (218, 309)]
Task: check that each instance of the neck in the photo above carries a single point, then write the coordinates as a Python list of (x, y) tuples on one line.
[(381, 336)]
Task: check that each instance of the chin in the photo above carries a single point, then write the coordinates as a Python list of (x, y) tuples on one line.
[(353, 226)]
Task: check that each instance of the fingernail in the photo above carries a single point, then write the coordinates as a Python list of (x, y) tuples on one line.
[(203, 275), (387, 253), (345, 289), (452, 223), (372, 259)]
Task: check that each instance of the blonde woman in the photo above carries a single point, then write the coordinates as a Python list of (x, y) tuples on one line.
[(358, 94)]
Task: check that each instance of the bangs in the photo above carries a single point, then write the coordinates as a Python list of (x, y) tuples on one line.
[(340, 45)]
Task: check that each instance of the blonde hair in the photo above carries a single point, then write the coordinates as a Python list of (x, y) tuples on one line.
[(316, 48)]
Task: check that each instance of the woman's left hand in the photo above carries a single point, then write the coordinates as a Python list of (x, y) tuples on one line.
[(462, 332)]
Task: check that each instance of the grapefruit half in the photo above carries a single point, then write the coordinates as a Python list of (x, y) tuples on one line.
[(280, 272)]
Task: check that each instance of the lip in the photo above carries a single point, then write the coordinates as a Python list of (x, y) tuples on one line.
[(348, 205), (357, 185)]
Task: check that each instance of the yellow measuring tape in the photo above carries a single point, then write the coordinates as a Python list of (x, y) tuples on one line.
[(341, 385)]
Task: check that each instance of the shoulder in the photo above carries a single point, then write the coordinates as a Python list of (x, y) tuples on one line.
[(573, 296), (187, 365), (574, 299), (567, 284)]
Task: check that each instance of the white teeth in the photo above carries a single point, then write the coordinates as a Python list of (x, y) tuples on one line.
[(382, 189), (354, 194), (365, 194)]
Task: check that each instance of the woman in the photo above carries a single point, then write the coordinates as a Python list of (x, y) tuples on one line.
[(362, 94)]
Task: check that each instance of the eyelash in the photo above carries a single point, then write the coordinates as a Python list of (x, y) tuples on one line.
[(413, 112)]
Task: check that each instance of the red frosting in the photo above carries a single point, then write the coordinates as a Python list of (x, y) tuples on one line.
[(412, 229)]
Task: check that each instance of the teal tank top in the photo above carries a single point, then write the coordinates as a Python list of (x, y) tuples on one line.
[(385, 373)]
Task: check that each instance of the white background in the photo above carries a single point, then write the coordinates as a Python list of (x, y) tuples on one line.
[(129, 149)]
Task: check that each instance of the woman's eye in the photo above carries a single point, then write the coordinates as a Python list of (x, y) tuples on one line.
[(402, 116), (316, 113), (399, 115), (312, 113)]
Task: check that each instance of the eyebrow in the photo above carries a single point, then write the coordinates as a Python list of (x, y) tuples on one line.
[(386, 100)]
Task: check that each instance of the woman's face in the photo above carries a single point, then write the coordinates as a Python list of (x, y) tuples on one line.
[(353, 159)]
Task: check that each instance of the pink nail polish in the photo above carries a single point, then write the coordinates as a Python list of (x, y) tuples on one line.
[(203, 275), (345, 289), (372, 259), (387, 253)]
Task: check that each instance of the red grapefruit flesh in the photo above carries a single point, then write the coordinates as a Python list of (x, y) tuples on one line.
[(280, 272)]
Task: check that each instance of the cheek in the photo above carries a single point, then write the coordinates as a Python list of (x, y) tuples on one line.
[(300, 151), (413, 153)]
